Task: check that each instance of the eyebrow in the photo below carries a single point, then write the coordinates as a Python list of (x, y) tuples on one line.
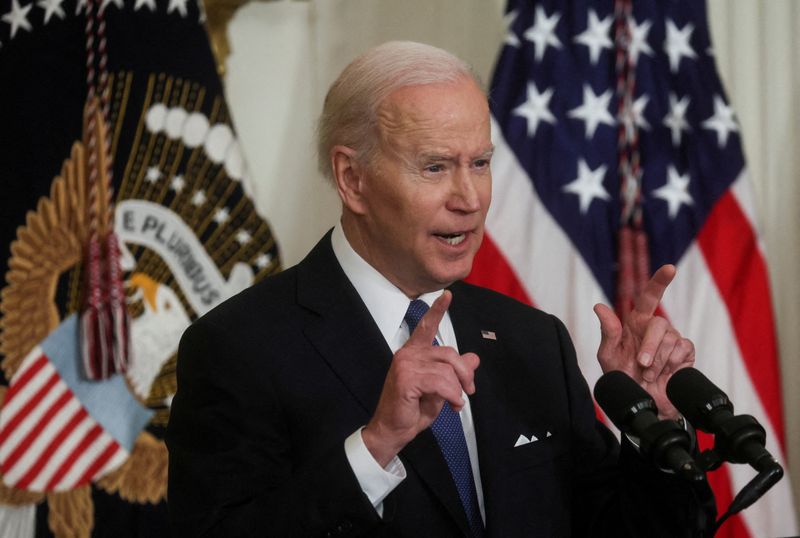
[(440, 157)]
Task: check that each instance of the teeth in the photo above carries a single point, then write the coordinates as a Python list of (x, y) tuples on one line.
[(454, 239)]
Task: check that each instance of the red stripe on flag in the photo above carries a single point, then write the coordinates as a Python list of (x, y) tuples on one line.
[(730, 248), (490, 269), (26, 442), (76, 453), (28, 407), (48, 452), (18, 384), (98, 463)]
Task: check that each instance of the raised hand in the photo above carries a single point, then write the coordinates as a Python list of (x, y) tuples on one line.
[(421, 378), (646, 346)]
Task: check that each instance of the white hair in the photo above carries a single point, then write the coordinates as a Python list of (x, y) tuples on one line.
[(350, 113)]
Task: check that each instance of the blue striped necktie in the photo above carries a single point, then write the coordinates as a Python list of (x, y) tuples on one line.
[(450, 436)]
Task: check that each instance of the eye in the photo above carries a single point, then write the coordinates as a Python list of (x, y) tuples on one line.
[(481, 163), (434, 168)]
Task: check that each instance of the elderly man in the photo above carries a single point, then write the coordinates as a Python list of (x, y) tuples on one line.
[(367, 391)]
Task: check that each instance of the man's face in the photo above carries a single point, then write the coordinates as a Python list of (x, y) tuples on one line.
[(426, 192)]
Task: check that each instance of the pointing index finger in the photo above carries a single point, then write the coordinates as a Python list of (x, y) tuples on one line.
[(648, 301), (429, 324)]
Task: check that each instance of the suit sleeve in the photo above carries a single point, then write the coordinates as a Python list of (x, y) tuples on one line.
[(615, 491), (231, 470)]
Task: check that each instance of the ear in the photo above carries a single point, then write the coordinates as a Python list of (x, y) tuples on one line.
[(349, 175)]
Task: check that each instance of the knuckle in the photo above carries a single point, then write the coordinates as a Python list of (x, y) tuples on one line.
[(660, 322)]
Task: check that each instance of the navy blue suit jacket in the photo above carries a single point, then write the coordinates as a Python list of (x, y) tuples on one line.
[(271, 383)]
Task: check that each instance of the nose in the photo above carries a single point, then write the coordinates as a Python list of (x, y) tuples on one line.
[(465, 196)]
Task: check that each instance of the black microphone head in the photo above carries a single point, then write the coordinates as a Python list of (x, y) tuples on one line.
[(621, 398), (696, 397)]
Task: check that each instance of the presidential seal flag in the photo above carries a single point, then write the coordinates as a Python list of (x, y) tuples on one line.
[(113, 125), (616, 152)]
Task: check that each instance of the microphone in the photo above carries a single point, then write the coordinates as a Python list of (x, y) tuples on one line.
[(737, 439), (664, 442)]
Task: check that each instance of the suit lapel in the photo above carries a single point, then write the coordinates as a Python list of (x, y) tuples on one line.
[(342, 330), (487, 416)]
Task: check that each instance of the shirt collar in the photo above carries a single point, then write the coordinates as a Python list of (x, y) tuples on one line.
[(385, 302)]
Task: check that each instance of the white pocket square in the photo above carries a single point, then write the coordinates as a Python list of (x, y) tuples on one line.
[(522, 440)]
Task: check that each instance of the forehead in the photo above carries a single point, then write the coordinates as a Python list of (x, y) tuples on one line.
[(437, 114)]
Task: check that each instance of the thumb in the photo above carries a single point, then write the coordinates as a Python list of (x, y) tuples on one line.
[(610, 330)]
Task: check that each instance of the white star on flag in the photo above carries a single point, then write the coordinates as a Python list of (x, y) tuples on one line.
[(150, 4), (535, 108), (639, 43), (201, 10), (262, 261), (221, 215), (243, 237), (511, 37), (676, 119), (199, 198), (677, 44), (119, 3), (595, 37), (588, 185), (177, 183), (179, 5), (593, 111), (153, 174), (18, 17), (51, 7), (80, 6), (542, 33), (722, 121), (674, 192)]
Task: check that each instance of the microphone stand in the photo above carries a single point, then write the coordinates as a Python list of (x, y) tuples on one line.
[(769, 470)]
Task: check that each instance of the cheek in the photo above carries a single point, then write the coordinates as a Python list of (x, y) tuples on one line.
[(485, 193)]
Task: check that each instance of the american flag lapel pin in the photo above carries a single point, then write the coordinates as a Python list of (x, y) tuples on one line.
[(488, 335)]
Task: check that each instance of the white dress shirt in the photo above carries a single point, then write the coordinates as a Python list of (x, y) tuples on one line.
[(388, 305)]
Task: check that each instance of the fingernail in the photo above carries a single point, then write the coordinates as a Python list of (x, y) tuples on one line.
[(645, 359)]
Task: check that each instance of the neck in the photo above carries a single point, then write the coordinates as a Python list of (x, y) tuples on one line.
[(358, 240)]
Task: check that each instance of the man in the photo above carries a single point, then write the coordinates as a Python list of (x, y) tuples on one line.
[(310, 405)]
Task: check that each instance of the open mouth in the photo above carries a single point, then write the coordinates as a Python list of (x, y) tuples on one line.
[(452, 239)]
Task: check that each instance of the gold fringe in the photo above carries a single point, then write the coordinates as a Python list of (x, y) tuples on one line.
[(143, 476), (49, 244), (71, 513)]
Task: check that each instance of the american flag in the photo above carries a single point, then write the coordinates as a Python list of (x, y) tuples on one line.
[(616, 152)]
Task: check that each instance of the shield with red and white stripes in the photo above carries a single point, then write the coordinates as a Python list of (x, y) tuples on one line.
[(59, 431)]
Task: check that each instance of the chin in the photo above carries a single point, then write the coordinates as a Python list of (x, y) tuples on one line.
[(446, 277)]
